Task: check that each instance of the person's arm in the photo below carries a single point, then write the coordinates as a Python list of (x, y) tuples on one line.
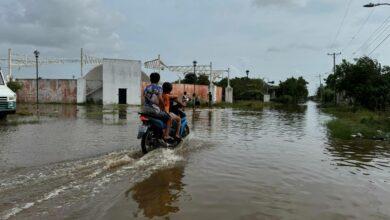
[(176, 99), (161, 102)]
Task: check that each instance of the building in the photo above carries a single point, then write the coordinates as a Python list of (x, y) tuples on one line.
[(115, 81)]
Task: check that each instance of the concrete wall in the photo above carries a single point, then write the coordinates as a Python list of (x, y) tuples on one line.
[(124, 74), (200, 90), (50, 91), (94, 85)]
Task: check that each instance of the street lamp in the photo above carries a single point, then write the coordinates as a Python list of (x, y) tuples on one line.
[(36, 53), (371, 5), (193, 96)]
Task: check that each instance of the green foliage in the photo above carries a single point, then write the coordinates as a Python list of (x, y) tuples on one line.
[(203, 80), (325, 95), (14, 85), (351, 121), (190, 78), (199, 80), (252, 95), (245, 88), (285, 99), (292, 90), (363, 83)]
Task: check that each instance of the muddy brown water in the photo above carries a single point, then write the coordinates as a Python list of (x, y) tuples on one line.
[(82, 162)]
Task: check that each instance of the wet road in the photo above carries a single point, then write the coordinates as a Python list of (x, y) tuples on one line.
[(84, 162)]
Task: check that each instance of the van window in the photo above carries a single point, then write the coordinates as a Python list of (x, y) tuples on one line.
[(1, 80)]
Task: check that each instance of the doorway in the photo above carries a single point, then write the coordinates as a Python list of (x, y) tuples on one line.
[(122, 96)]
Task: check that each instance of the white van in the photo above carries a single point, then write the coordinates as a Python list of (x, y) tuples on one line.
[(7, 98)]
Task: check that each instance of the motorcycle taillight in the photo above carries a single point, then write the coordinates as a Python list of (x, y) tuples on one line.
[(143, 118)]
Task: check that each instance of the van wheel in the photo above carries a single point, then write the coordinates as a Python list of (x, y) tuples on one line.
[(3, 116)]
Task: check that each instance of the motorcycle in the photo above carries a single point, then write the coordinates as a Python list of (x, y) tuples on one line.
[(151, 130)]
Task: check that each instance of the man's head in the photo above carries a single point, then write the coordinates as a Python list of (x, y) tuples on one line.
[(167, 87), (154, 78), (185, 93)]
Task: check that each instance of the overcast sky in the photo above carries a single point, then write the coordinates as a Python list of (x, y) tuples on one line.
[(274, 39)]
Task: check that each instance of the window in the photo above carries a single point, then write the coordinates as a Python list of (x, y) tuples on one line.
[(1, 79)]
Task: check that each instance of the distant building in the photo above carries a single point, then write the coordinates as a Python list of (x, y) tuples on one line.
[(113, 82)]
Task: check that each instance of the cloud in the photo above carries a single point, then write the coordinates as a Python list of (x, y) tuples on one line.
[(293, 46), (288, 3), (60, 24)]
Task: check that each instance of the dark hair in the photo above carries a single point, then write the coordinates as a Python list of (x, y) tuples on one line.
[(167, 87), (185, 93), (154, 78)]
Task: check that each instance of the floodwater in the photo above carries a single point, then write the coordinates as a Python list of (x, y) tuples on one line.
[(81, 162)]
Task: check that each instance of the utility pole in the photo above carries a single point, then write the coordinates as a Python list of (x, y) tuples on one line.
[(194, 94), (210, 84), (334, 73), (10, 64), (81, 61), (36, 53), (319, 76), (228, 78)]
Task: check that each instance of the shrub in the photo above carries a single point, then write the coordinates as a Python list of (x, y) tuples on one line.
[(285, 99), (15, 86), (251, 95)]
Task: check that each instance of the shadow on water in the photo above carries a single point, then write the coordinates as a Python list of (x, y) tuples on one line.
[(156, 196), (67, 111)]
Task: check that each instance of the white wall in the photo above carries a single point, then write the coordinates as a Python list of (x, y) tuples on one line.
[(124, 74), (81, 90)]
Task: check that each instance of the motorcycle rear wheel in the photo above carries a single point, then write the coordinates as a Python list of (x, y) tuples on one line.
[(147, 144)]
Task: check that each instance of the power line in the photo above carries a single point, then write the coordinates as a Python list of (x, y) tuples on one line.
[(360, 28), (387, 37), (342, 23), (377, 37), (377, 30)]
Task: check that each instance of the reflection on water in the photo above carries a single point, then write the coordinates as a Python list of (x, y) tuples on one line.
[(157, 195), (122, 112), (363, 154), (278, 163)]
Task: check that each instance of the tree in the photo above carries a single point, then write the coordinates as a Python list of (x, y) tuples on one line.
[(203, 80), (245, 88), (292, 90), (190, 78), (363, 83), (15, 86)]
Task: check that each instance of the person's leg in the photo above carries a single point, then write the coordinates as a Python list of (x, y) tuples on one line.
[(168, 120), (177, 119), (166, 130)]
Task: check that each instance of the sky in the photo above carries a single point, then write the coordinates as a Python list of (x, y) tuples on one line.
[(274, 39)]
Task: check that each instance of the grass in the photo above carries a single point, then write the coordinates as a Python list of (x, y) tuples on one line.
[(351, 121), (16, 122), (245, 105)]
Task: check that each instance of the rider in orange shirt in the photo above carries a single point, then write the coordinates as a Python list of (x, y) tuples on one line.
[(167, 97)]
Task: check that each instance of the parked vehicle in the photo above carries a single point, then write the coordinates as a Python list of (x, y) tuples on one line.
[(151, 131), (7, 99)]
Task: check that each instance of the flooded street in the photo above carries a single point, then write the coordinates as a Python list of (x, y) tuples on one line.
[(84, 162)]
